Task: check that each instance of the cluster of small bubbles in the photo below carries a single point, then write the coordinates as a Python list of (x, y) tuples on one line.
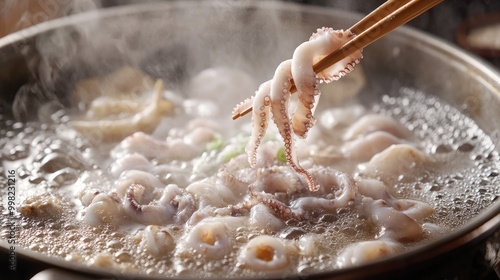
[(114, 244), (349, 231), (442, 130), (327, 218), (292, 233), (318, 229)]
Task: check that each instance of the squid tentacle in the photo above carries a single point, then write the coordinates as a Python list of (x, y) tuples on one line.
[(260, 121), (273, 96), (280, 96), (322, 42)]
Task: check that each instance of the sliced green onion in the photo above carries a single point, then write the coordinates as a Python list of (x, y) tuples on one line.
[(215, 144), (231, 156), (280, 155)]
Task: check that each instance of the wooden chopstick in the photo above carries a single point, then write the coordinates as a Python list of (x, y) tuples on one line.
[(399, 17), (384, 19), (378, 14)]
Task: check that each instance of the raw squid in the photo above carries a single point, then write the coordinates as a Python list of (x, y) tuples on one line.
[(274, 95)]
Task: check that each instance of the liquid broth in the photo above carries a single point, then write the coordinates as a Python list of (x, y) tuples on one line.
[(465, 183)]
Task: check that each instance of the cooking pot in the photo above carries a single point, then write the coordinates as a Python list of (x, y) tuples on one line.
[(173, 40)]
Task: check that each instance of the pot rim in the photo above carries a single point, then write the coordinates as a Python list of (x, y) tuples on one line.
[(484, 224)]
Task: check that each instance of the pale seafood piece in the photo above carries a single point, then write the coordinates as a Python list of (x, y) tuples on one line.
[(394, 224), (373, 188), (230, 222), (264, 253), (237, 175), (365, 147), (376, 189), (173, 173), (86, 196), (105, 106), (200, 136), (146, 179), (201, 214), (395, 161), (152, 148), (414, 209), (275, 202), (122, 83), (375, 122), (157, 241), (128, 80), (174, 206), (334, 181), (209, 192), (132, 161), (338, 188), (101, 208), (276, 179), (308, 245), (213, 214), (115, 129), (262, 217), (303, 205), (119, 93), (367, 251), (210, 240), (185, 147)]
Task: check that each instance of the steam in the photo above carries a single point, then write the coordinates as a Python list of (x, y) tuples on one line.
[(174, 44), (51, 52)]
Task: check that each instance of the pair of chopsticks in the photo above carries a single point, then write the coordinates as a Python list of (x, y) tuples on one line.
[(384, 19)]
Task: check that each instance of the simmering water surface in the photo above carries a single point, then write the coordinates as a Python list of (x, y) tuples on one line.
[(54, 164)]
